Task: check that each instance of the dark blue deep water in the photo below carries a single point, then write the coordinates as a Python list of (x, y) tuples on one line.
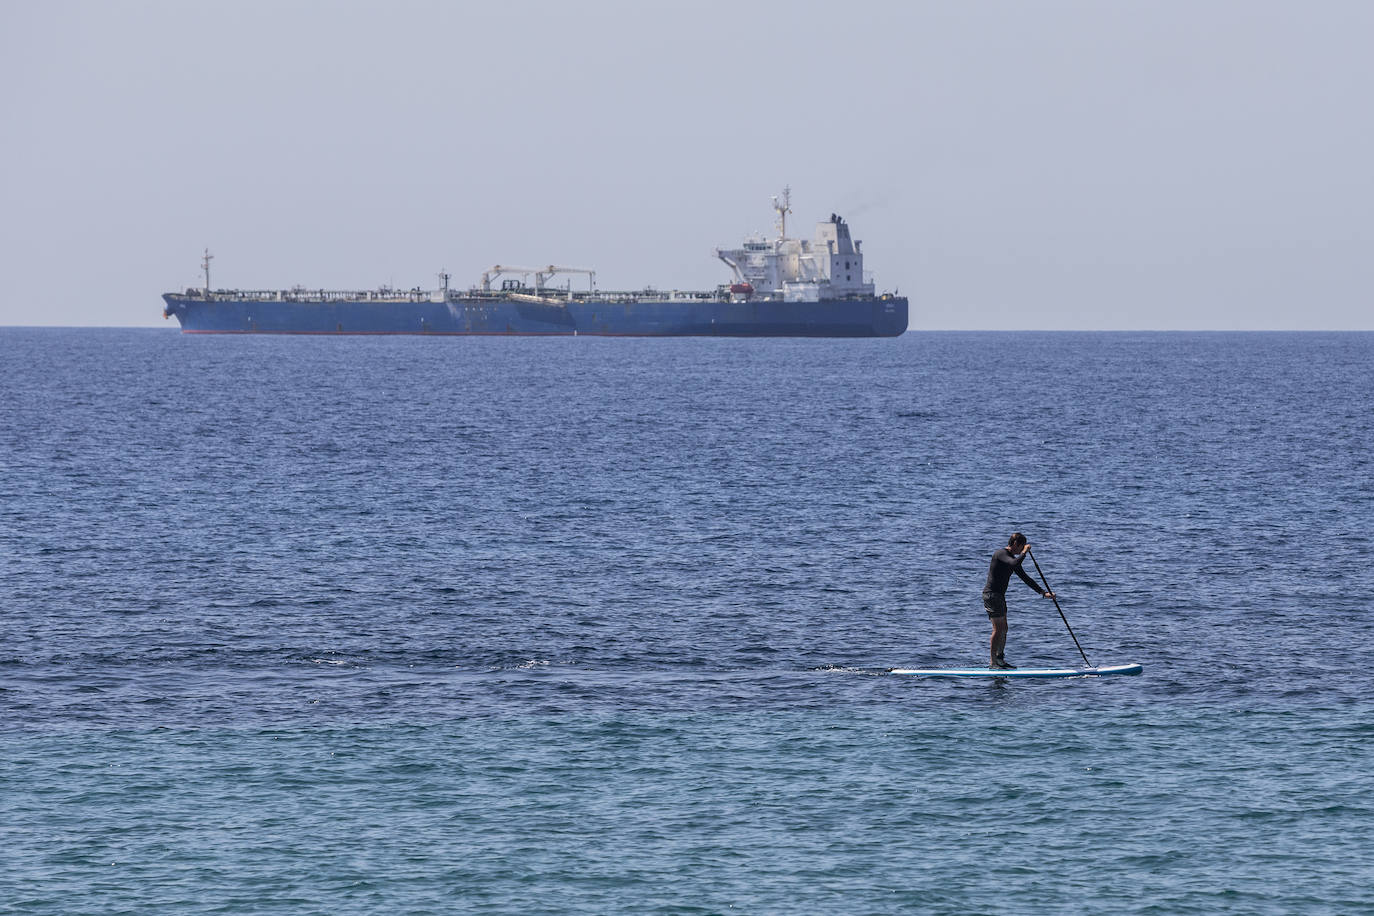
[(404, 625)]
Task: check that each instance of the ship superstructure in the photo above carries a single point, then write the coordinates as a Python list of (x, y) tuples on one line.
[(831, 266), (782, 287)]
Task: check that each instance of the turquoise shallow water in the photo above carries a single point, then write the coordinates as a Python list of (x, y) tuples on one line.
[(359, 626), (989, 805)]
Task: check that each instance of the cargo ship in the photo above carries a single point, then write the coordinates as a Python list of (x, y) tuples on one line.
[(781, 287)]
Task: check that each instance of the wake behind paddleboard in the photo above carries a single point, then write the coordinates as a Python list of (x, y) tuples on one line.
[(1022, 672)]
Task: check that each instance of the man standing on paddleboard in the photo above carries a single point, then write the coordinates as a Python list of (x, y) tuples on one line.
[(1005, 561)]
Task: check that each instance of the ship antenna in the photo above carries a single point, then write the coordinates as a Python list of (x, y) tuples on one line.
[(205, 266), (783, 209)]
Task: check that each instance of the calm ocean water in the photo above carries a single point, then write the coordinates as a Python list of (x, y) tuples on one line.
[(401, 625)]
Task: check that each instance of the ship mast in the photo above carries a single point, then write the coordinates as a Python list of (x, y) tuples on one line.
[(783, 209), (205, 266)]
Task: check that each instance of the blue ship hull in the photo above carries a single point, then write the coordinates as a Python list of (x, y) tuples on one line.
[(221, 313)]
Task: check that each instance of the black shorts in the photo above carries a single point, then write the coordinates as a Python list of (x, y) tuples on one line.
[(995, 605)]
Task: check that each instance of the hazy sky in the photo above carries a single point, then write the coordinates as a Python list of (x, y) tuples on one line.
[(1154, 164)]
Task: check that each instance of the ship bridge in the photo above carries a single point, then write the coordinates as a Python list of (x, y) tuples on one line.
[(828, 266)]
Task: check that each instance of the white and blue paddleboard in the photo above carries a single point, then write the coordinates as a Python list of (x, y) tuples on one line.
[(1101, 671)]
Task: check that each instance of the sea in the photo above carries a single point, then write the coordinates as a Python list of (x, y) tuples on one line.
[(362, 625)]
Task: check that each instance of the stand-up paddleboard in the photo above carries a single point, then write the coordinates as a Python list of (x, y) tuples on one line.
[(1101, 671)]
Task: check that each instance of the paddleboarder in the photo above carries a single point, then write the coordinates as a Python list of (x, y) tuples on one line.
[(1005, 561)]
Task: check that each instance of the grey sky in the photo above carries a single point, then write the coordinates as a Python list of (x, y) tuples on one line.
[(1201, 164)]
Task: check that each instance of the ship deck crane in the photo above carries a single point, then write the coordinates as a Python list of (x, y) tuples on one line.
[(541, 274)]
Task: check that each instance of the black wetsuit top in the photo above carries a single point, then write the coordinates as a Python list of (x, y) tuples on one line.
[(1000, 569)]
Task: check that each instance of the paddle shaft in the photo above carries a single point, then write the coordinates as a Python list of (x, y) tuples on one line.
[(1059, 609)]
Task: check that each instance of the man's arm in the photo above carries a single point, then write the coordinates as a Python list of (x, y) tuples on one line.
[(1027, 579)]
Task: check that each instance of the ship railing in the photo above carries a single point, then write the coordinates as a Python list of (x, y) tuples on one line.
[(648, 295), (301, 294)]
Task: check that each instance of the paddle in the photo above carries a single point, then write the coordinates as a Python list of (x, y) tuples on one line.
[(1058, 608)]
